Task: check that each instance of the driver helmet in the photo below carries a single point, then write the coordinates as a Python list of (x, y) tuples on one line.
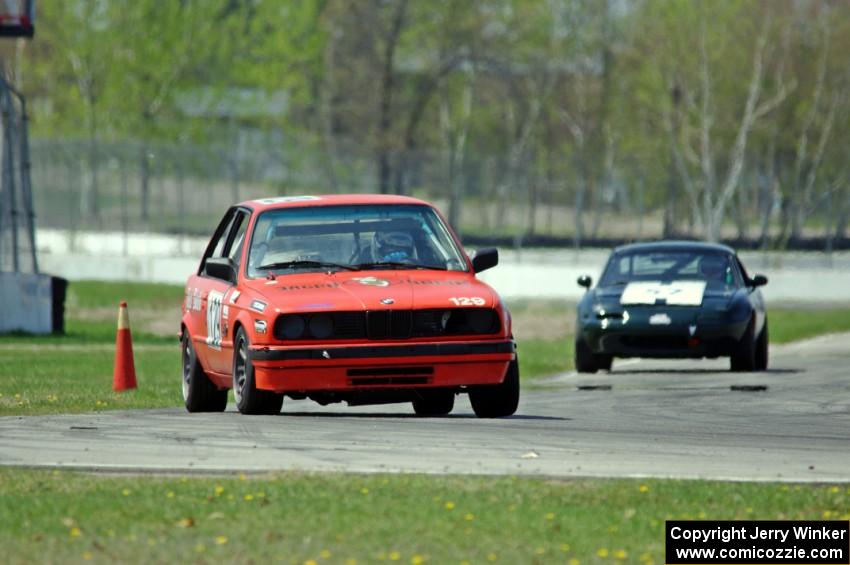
[(392, 246), (713, 267)]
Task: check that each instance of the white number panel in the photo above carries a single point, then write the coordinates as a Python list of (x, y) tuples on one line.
[(679, 293), (214, 300)]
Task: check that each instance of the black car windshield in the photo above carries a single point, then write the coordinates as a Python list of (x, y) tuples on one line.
[(351, 237), (716, 268)]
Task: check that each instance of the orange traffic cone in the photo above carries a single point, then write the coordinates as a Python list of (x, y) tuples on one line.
[(124, 375)]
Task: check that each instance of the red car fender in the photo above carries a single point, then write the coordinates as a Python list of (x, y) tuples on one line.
[(197, 335), (187, 324), (245, 319), (501, 309), (242, 314), (507, 321)]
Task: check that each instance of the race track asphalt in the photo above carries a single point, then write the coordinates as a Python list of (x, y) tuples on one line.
[(659, 419)]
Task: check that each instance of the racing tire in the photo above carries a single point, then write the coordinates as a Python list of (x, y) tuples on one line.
[(603, 361), (762, 349), (497, 401), (434, 402), (199, 393), (744, 358), (584, 359), (249, 399)]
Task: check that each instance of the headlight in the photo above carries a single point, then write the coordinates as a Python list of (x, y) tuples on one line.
[(603, 311), (289, 326), (482, 320), (321, 326)]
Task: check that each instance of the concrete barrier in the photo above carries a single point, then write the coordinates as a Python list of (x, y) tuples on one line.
[(530, 273), (26, 303)]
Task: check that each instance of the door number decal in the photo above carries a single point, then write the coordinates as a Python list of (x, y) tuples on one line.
[(214, 300)]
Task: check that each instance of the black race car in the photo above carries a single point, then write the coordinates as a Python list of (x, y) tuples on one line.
[(672, 299)]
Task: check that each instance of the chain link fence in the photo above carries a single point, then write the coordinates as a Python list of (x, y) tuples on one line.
[(17, 229), (184, 188)]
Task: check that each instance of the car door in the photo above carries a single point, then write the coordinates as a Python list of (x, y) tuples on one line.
[(216, 348), (755, 297)]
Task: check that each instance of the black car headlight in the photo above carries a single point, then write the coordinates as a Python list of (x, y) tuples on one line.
[(603, 311), (321, 326), (482, 320), (290, 326)]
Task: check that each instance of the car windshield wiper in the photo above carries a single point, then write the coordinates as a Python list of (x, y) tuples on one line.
[(304, 264), (398, 265)]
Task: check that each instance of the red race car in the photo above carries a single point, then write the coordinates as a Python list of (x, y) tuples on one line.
[(366, 299)]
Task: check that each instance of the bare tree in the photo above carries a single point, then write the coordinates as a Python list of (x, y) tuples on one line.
[(326, 107), (521, 125), (427, 85), (87, 76), (793, 219), (842, 212), (385, 97), (581, 163), (454, 133), (770, 184), (710, 196), (602, 137)]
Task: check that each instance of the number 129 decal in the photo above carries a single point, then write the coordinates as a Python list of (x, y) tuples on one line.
[(467, 300), (214, 300)]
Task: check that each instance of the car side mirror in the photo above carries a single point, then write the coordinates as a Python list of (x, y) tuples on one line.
[(220, 268), (585, 281), (758, 280), (485, 259)]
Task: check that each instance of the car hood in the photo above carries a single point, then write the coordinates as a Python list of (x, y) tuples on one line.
[(370, 290)]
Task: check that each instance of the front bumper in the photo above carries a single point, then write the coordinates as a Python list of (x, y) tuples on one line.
[(682, 340), (396, 366)]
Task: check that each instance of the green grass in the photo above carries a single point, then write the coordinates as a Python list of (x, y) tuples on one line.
[(541, 358), (85, 297), (86, 332), (44, 379), (788, 324), (293, 518), (73, 372), (94, 294)]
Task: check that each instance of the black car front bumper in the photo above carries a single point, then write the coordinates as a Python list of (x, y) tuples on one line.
[(675, 340)]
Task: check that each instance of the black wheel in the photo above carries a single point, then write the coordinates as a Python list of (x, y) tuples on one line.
[(497, 401), (250, 400), (744, 358), (585, 360), (199, 393), (434, 402), (603, 361), (761, 349)]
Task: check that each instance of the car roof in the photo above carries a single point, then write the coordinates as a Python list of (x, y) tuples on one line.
[(673, 244), (271, 203)]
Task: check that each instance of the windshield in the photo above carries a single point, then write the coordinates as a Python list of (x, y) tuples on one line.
[(716, 268), (351, 237)]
